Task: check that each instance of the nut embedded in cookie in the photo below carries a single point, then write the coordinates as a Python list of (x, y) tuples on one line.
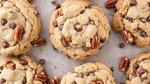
[(78, 29)]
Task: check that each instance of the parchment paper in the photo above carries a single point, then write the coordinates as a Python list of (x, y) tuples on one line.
[(58, 64)]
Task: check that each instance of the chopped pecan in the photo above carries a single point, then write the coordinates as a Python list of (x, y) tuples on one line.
[(124, 63), (10, 65), (39, 42), (19, 31), (55, 80), (110, 3), (65, 41), (41, 76), (95, 41), (127, 36)]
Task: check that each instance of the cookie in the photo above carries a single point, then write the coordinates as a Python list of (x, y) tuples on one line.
[(23, 70), (19, 26), (89, 73), (78, 29), (139, 70), (132, 20)]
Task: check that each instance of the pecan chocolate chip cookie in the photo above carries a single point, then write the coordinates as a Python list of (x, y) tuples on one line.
[(132, 20), (78, 29), (19, 26), (89, 73), (139, 70), (23, 70)]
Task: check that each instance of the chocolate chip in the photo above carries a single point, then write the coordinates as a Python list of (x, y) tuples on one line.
[(91, 22), (3, 22), (135, 66), (143, 34), (2, 81), (129, 19), (23, 62), (133, 3), (112, 69), (80, 75), (134, 74), (78, 27), (143, 20), (1, 67), (148, 19), (121, 45), (148, 4), (42, 61), (24, 81), (12, 25), (102, 40), (5, 44), (56, 4)]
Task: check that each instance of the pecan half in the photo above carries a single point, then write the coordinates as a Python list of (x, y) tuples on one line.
[(19, 31), (65, 41), (41, 76), (58, 13), (127, 36), (124, 63), (39, 42), (55, 80), (110, 3), (95, 41)]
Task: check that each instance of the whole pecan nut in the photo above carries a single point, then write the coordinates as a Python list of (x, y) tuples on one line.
[(39, 42), (110, 3), (124, 63), (95, 41), (19, 31), (127, 36)]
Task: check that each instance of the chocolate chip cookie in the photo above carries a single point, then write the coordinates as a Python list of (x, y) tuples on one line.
[(19, 26), (132, 20), (78, 29), (89, 73), (23, 70), (139, 70)]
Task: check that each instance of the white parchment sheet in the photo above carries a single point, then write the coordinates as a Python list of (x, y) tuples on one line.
[(58, 64)]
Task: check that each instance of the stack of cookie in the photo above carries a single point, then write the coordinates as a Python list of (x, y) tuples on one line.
[(79, 30)]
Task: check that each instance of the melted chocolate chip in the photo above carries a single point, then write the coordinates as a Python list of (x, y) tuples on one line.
[(148, 19), (133, 3), (42, 61), (148, 4), (2, 81), (143, 20), (78, 27), (129, 19), (143, 34), (12, 25), (5, 44), (102, 40), (3, 22), (135, 66), (23, 62), (24, 81)]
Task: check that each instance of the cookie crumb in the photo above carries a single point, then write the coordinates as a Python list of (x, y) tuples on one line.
[(121, 45)]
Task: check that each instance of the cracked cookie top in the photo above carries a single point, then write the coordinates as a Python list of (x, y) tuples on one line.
[(19, 26), (139, 70), (22, 70), (78, 29), (132, 19), (89, 73)]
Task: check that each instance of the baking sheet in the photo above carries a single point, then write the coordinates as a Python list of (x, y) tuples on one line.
[(57, 64)]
